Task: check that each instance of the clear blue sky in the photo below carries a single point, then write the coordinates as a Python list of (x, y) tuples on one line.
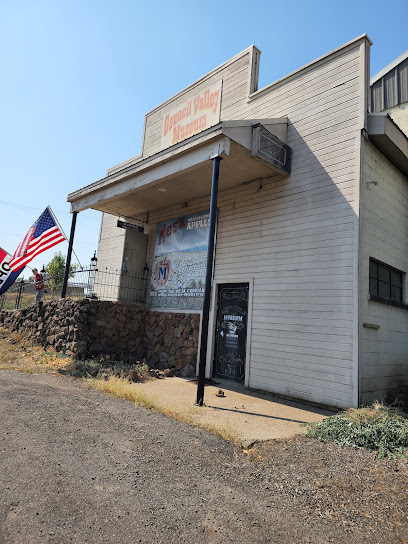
[(77, 78)]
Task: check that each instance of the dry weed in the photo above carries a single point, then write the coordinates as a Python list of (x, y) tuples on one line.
[(120, 387), (125, 390), (17, 353)]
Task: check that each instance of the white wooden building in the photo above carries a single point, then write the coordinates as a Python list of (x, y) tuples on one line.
[(312, 221)]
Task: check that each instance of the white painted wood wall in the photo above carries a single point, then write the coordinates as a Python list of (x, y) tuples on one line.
[(399, 115), (384, 237), (110, 254)]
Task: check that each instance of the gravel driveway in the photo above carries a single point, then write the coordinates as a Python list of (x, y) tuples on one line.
[(79, 466)]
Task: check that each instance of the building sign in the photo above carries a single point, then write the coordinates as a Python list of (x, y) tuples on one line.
[(179, 263), (130, 226), (194, 115)]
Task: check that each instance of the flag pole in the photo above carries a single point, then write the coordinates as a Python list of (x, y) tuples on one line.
[(62, 230), (68, 261)]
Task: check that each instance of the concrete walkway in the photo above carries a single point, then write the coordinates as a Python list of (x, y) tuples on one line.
[(242, 415)]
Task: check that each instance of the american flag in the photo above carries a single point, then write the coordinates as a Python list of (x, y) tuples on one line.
[(42, 235)]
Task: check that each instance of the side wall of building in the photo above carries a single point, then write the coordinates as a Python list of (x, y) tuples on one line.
[(134, 253), (384, 237), (111, 243), (110, 255)]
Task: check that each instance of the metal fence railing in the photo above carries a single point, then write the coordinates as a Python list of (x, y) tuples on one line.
[(94, 283)]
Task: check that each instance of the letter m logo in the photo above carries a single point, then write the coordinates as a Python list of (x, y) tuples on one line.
[(162, 272)]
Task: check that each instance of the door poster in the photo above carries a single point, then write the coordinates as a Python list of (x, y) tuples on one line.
[(231, 331), (179, 263)]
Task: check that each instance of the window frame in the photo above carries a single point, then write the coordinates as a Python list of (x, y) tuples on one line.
[(384, 281)]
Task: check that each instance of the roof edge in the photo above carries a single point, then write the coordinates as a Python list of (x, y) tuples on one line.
[(172, 152), (309, 65), (204, 77), (389, 67)]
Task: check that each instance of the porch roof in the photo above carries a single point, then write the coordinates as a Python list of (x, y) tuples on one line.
[(251, 149), (389, 139)]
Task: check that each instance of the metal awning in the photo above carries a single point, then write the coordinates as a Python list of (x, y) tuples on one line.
[(253, 149), (389, 139)]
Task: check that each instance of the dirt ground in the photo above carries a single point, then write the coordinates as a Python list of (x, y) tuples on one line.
[(80, 466)]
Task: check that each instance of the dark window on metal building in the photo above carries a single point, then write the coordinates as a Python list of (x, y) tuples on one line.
[(385, 282)]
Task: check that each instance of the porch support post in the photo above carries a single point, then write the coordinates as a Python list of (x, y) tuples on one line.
[(208, 280), (68, 262)]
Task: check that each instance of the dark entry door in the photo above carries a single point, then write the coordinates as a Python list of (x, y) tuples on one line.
[(231, 331)]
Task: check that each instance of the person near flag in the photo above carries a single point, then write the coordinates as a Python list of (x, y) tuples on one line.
[(39, 285), (43, 235)]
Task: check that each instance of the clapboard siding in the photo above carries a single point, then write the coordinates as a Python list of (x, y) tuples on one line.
[(306, 313), (111, 243), (307, 242), (297, 215), (324, 341), (110, 254), (282, 346), (285, 193), (308, 87), (384, 236), (298, 361), (316, 79), (285, 367), (331, 246), (295, 389), (336, 381), (325, 148), (282, 323), (400, 116)]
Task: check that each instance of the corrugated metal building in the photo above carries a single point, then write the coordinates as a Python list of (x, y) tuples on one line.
[(389, 91), (310, 273)]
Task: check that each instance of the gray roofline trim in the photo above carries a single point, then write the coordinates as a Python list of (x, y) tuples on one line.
[(389, 67)]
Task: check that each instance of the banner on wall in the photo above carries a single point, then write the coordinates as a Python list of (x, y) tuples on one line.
[(179, 263)]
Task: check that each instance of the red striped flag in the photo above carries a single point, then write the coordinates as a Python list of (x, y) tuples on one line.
[(43, 235)]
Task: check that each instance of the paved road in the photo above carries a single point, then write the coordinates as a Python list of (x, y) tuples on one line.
[(79, 466)]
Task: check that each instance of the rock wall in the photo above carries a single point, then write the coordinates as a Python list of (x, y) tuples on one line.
[(172, 341), (128, 332)]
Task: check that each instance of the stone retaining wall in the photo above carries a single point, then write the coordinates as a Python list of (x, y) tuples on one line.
[(172, 341), (129, 332)]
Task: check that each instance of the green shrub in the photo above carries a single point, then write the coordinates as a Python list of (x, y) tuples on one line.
[(379, 428)]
